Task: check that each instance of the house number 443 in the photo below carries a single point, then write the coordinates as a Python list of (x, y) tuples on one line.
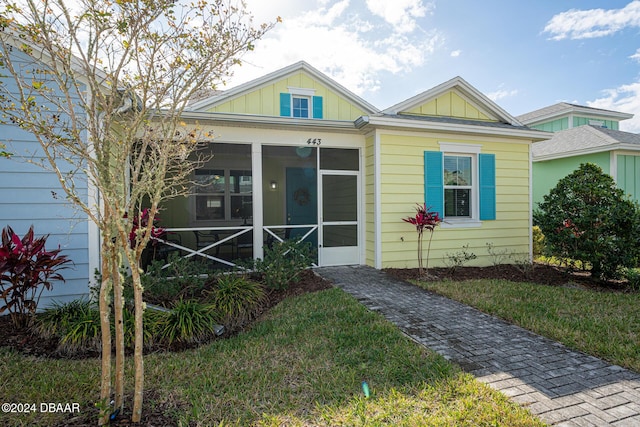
[(314, 141)]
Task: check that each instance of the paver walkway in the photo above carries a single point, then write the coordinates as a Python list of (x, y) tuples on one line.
[(561, 386)]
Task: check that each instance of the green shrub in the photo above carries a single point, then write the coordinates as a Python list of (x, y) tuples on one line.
[(283, 263), (538, 242), (235, 299), (187, 322), (587, 218), (76, 325), (183, 277), (633, 278), (455, 260)]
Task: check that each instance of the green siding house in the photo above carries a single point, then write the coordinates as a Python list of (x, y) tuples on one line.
[(582, 135)]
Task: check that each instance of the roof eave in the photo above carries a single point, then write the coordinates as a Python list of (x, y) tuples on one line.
[(268, 121), (392, 122)]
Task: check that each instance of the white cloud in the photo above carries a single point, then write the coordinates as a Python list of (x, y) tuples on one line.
[(342, 40), (501, 93), (401, 14), (626, 99), (583, 24), (456, 53), (636, 55)]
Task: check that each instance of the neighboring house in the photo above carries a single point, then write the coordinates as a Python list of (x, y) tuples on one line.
[(296, 154), (31, 195), (583, 135)]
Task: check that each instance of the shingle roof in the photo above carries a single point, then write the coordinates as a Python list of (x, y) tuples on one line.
[(564, 108), (584, 139)]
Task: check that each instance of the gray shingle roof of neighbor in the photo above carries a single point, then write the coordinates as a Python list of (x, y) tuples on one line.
[(584, 139), (562, 108)]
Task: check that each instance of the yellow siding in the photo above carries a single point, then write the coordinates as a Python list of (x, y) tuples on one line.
[(266, 100), (369, 178), (402, 182), (450, 104)]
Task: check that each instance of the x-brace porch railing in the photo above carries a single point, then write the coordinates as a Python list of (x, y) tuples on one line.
[(202, 251), (239, 231)]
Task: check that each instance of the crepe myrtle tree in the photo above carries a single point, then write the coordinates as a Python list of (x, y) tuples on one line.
[(587, 218), (101, 85)]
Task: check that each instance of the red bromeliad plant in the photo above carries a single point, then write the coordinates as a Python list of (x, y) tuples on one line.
[(424, 219), (26, 270)]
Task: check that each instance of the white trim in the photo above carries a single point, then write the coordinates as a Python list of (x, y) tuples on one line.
[(461, 223), (455, 147), (530, 204), (300, 91), (256, 173), (377, 201)]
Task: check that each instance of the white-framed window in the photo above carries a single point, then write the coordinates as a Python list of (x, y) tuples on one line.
[(460, 186), (223, 195), (300, 106)]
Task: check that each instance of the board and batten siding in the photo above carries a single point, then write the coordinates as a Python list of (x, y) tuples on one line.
[(402, 186), (266, 100)]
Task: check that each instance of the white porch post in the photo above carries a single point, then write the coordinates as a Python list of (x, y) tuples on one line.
[(256, 168)]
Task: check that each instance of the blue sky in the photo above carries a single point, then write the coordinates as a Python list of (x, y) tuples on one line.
[(524, 55)]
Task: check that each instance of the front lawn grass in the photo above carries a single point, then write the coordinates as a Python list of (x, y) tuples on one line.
[(601, 323), (301, 365)]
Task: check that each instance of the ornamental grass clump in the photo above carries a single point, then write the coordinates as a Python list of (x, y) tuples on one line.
[(26, 270), (428, 220)]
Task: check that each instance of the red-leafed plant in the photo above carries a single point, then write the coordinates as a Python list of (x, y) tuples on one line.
[(26, 270), (424, 219), (140, 224)]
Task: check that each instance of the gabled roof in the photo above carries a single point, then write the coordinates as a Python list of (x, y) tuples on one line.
[(585, 139), (562, 109), (270, 78), (470, 93)]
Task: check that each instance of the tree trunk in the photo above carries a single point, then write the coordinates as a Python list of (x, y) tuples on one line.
[(119, 332), (138, 350), (105, 328)]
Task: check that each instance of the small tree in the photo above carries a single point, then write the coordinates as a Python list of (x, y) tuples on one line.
[(424, 219), (102, 86), (587, 218)]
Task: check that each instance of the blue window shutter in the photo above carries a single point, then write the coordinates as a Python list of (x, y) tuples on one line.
[(434, 181), (317, 107), (487, 173), (285, 104)]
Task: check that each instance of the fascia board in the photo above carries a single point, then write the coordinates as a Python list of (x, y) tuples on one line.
[(268, 121), (592, 150), (530, 134)]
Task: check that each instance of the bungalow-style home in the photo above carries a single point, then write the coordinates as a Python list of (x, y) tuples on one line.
[(582, 135), (295, 155)]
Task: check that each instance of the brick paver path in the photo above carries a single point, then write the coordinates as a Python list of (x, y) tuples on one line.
[(561, 386)]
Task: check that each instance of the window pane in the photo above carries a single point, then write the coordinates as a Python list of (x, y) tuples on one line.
[(209, 181), (240, 182), (301, 107), (457, 170), (209, 207), (339, 159), (340, 235), (457, 202), (340, 198), (241, 207)]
